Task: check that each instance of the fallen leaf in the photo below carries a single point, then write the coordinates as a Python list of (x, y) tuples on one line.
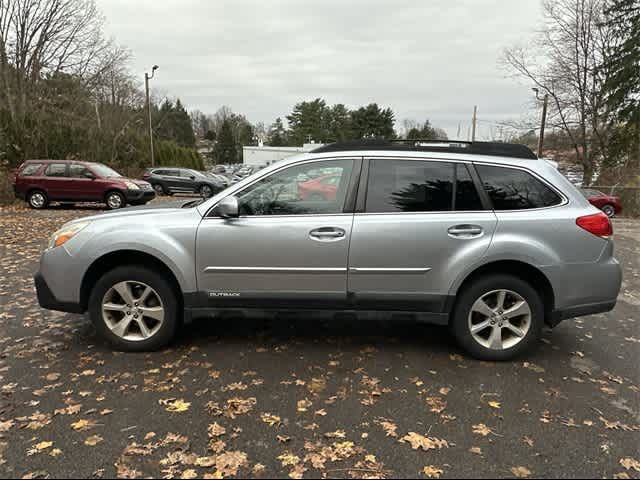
[(432, 472), (521, 472), (175, 406), (481, 429), (93, 440), (630, 463), (494, 404), (216, 430), (418, 441)]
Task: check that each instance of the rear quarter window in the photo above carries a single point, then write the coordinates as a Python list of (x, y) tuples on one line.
[(514, 189), (30, 169)]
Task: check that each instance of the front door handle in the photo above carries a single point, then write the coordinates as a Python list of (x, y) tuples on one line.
[(465, 231), (325, 234)]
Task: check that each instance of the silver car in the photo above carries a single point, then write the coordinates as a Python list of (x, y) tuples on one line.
[(482, 237)]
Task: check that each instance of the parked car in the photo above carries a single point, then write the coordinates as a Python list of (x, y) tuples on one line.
[(40, 182), (482, 237), (609, 204), (322, 188), (168, 181)]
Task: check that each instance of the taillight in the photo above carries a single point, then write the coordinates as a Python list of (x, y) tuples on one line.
[(597, 224)]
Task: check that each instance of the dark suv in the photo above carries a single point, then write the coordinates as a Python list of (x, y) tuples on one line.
[(40, 182), (167, 181)]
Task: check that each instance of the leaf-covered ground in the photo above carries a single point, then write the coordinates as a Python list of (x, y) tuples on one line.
[(307, 396)]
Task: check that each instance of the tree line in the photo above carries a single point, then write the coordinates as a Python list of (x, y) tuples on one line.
[(66, 92), (308, 121), (586, 59)]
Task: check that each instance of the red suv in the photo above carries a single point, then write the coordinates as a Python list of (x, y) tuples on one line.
[(42, 181)]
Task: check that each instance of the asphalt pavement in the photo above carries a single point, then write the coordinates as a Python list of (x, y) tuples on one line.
[(298, 395)]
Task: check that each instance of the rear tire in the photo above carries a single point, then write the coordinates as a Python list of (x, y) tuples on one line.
[(132, 337), (506, 329), (37, 199), (159, 189), (609, 210)]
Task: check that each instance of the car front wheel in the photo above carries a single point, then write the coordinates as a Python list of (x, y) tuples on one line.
[(498, 317), (115, 200), (206, 191), (135, 309)]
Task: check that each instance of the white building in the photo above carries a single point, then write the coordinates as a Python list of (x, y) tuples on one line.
[(264, 155)]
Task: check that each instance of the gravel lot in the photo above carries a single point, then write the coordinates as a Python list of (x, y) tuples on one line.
[(299, 396)]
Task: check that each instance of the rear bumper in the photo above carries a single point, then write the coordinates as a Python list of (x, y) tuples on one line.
[(48, 300), (579, 311)]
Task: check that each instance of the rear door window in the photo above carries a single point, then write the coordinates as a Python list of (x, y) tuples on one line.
[(56, 170), (514, 189), (420, 186)]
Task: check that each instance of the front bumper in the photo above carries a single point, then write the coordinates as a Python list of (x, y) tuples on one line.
[(47, 299), (140, 195)]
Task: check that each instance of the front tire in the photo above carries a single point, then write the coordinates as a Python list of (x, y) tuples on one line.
[(498, 317), (206, 191), (37, 199), (135, 309), (115, 200)]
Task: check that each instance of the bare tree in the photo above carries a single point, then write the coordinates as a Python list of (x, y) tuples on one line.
[(40, 39), (565, 61)]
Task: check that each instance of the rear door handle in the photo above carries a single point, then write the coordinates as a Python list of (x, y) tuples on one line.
[(465, 231), (326, 234)]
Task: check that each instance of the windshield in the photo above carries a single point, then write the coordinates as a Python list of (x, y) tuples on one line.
[(104, 171)]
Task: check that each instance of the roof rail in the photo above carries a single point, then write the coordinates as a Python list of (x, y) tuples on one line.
[(497, 149)]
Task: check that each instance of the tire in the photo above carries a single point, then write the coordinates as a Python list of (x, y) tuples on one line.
[(132, 337), (159, 189), (487, 288), (206, 191), (115, 200), (37, 199), (609, 210)]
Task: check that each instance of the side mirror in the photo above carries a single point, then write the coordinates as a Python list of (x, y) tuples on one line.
[(192, 177), (228, 207), (90, 175)]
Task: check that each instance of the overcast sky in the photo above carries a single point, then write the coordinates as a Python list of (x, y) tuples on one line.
[(423, 58)]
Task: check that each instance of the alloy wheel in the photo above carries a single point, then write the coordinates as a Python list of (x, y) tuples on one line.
[(37, 200), (499, 319), (114, 201), (133, 311), (609, 210), (158, 188), (206, 191)]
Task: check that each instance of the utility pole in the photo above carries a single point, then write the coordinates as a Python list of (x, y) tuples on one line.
[(542, 124), (148, 77), (473, 123)]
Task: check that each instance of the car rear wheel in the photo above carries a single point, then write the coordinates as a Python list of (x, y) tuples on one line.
[(159, 189), (609, 210), (115, 200), (135, 309), (206, 191), (498, 317), (37, 199)]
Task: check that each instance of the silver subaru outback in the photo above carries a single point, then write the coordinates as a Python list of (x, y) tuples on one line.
[(482, 237)]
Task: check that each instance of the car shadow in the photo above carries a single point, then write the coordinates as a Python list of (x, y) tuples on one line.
[(309, 328)]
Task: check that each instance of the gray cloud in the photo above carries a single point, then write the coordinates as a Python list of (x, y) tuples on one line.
[(424, 58)]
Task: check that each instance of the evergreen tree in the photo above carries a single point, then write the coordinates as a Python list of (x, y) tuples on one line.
[(225, 150), (308, 121), (277, 136), (373, 122)]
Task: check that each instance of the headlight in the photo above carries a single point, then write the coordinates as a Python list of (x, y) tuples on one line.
[(65, 234), (132, 186)]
